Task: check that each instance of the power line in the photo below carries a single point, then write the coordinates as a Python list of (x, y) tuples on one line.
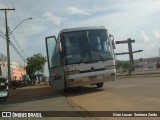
[(21, 32), (2, 32), (11, 3), (13, 36), (2, 36), (6, 3), (15, 48), (7, 41), (18, 44), (2, 22)]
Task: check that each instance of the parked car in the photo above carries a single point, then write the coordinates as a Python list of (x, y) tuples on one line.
[(4, 92)]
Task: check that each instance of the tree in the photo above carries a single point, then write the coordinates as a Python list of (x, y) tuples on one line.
[(124, 65), (127, 66), (35, 64), (118, 65)]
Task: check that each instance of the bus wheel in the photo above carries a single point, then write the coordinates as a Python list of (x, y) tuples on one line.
[(99, 85)]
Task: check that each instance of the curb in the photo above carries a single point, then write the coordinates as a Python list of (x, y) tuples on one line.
[(136, 76)]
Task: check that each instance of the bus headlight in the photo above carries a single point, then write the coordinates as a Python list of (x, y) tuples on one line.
[(110, 67), (107, 67), (113, 66)]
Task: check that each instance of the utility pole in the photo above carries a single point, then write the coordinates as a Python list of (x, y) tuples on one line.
[(130, 52), (7, 42), (129, 42)]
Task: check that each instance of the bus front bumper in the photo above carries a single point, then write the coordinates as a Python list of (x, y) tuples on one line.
[(90, 78)]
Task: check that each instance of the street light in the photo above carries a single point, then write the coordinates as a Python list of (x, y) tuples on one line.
[(19, 24), (8, 42)]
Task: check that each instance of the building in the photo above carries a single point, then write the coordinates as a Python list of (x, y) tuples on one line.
[(17, 70), (146, 63)]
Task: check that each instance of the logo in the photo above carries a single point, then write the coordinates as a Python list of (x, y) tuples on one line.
[(92, 69), (6, 114), (57, 77), (21, 114)]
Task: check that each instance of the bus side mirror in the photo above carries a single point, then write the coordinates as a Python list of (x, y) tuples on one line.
[(112, 40)]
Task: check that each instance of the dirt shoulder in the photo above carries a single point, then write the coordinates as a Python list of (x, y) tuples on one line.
[(30, 92)]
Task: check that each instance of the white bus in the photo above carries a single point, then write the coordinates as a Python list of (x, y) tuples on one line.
[(81, 56)]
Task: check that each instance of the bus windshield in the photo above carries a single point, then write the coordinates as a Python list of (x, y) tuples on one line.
[(86, 46)]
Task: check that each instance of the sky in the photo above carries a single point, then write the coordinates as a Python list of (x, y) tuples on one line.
[(135, 19)]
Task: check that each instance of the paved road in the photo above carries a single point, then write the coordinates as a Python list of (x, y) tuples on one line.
[(130, 94), (38, 98)]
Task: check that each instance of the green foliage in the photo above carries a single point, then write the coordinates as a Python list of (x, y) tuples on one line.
[(35, 63), (3, 57), (118, 64), (124, 66)]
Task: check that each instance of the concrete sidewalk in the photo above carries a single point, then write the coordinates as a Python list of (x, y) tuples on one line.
[(39, 98)]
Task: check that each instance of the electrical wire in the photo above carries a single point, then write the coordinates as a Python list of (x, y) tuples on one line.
[(15, 48), (6, 3), (12, 35), (2, 34), (18, 45), (11, 3), (2, 23), (21, 32)]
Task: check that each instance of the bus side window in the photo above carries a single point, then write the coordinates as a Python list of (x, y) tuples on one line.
[(56, 57)]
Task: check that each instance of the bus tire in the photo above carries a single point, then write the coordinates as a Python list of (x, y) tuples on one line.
[(99, 85)]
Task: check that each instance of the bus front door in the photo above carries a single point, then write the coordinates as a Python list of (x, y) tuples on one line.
[(56, 72)]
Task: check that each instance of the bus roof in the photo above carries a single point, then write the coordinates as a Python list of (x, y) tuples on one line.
[(82, 28)]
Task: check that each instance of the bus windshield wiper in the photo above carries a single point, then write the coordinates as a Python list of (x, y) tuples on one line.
[(86, 53), (98, 53)]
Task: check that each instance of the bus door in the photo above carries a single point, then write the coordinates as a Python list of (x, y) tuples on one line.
[(56, 72)]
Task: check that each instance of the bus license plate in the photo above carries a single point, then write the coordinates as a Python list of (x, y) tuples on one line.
[(93, 78)]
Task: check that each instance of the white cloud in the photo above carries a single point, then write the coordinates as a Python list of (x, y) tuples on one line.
[(145, 37), (148, 44), (157, 34), (53, 18), (74, 10)]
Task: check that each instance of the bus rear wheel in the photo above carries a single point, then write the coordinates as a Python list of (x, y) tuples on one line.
[(99, 85)]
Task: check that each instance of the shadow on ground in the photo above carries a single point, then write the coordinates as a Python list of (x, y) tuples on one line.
[(40, 92), (30, 93), (77, 91)]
